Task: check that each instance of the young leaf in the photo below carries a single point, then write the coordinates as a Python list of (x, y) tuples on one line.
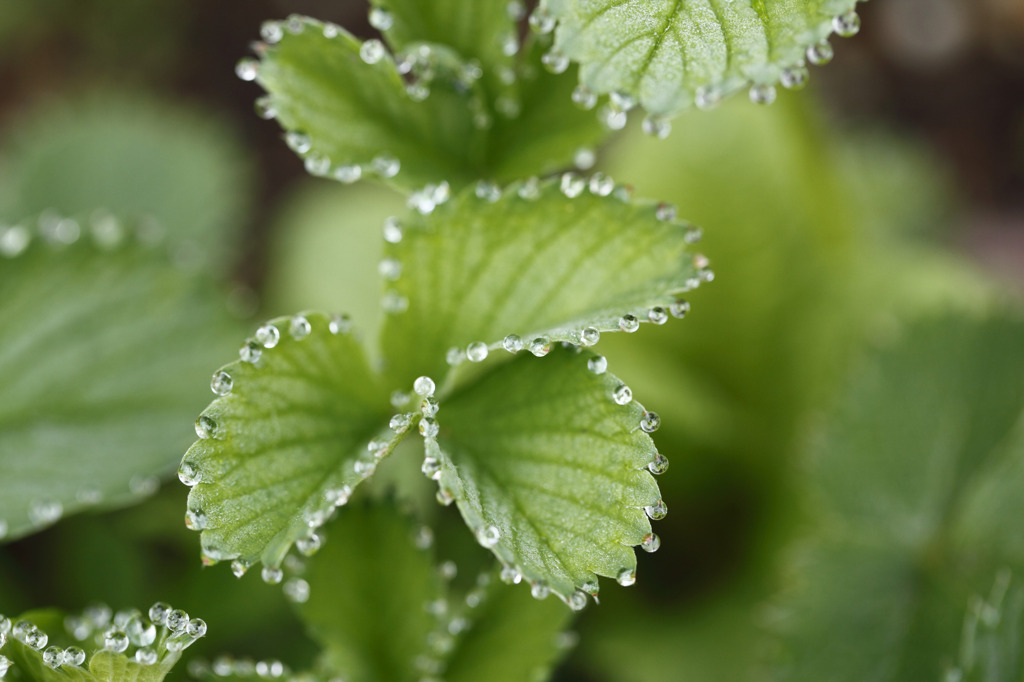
[(918, 475), (374, 596), (533, 263), (105, 344), (549, 466), (296, 429), (669, 56)]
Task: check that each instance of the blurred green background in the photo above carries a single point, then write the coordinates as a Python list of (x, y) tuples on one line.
[(871, 223)]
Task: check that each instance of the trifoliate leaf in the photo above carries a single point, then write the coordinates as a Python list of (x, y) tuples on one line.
[(548, 463), (531, 263), (133, 158), (426, 116), (96, 646), (375, 597), (918, 479), (302, 420), (668, 56), (105, 345)]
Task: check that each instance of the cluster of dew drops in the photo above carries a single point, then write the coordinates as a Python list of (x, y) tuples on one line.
[(167, 631)]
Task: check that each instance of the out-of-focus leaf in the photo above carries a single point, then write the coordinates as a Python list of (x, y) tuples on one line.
[(293, 433), (100, 359)]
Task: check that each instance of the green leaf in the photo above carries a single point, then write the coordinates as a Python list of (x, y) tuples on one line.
[(350, 112), (534, 263), (550, 471), (372, 593), (669, 56), (134, 158), (101, 358), (51, 646), (917, 477), (298, 427)]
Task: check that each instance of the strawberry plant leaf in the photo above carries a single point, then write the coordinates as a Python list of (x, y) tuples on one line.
[(670, 56), (425, 116), (915, 477), (100, 363), (301, 421), (375, 597), (531, 262), (548, 464)]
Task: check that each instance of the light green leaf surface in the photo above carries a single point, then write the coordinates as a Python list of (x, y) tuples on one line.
[(134, 158), (918, 481), (101, 367), (670, 54), (351, 115), (371, 591), (549, 471), (287, 443), (548, 265)]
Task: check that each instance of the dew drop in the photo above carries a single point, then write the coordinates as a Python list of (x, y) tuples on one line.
[(512, 343), (429, 406), (540, 346), (541, 21), (364, 469), (394, 303), (5, 665), (650, 543), (250, 351), (45, 512), (239, 567), (299, 327), (555, 61), (158, 612), (623, 394), (424, 386), (679, 309), (340, 324), (762, 93), (510, 44), (657, 315), (601, 185), (14, 241), (584, 98), (247, 69), (649, 422), (265, 107), (331, 31), (310, 544), (53, 657), (115, 640), (707, 97), (429, 427), (530, 189), (476, 351), (794, 78), (196, 628), (221, 383), (195, 520), (390, 269), (584, 158), (590, 336), (628, 323), (348, 173), (488, 536), (297, 590), (455, 356), (140, 633), (372, 51), (598, 364), (656, 511), (658, 465), (272, 575), (572, 185), (317, 165), (74, 656), (295, 25), (381, 19), (846, 24), (515, 10), (539, 590), (298, 142), (424, 539), (338, 496), (188, 474), (145, 656), (626, 577), (510, 575), (444, 497), (271, 32), (487, 191), (820, 53), (448, 570), (431, 468), (656, 126), (268, 336), (612, 118), (400, 423), (700, 261), (206, 427)]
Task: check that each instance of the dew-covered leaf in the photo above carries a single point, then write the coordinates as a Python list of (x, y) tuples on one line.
[(533, 263), (95, 646), (917, 478), (375, 596), (300, 422), (668, 56), (423, 117), (549, 466), (101, 361)]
